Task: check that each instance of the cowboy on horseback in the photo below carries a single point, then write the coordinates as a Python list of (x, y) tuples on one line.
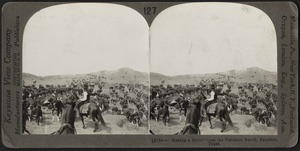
[(85, 99), (212, 99)]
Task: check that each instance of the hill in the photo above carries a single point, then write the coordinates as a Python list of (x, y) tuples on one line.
[(127, 75), (250, 75), (123, 75)]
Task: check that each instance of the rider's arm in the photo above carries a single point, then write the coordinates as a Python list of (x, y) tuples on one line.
[(212, 96), (84, 96)]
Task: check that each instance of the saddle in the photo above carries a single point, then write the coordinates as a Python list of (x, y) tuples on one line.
[(211, 109), (84, 108)]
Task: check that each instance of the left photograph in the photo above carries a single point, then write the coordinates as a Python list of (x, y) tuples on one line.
[(85, 71)]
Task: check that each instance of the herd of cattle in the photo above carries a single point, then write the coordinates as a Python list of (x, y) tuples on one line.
[(118, 99), (259, 100), (132, 101)]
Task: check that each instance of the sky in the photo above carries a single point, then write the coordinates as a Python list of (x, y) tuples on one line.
[(85, 38), (199, 38), (194, 38)]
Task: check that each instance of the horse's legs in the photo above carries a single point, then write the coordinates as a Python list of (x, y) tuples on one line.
[(96, 121), (96, 126), (82, 120), (179, 117), (43, 120), (222, 119), (200, 120), (37, 121), (185, 110), (100, 118), (167, 120), (268, 122), (209, 119)]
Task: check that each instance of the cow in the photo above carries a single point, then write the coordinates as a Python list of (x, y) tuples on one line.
[(245, 110), (115, 110)]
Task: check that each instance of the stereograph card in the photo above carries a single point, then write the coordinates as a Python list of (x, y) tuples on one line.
[(149, 74)]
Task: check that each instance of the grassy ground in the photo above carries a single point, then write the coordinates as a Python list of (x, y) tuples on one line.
[(240, 127), (116, 124)]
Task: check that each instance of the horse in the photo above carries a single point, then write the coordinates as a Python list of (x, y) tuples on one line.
[(54, 111), (221, 112), (94, 111), (183, 104), (153, 109), (193, 113), (31, 111), (39, 115), (57, 107), (68, 117), (25, 106), (164, 113)]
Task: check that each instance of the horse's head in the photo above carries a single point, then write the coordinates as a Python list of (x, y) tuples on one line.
[(201, 95), (72, 99)]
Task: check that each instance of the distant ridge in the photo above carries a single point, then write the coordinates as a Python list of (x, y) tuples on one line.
[(127, 75), (122, 75), (252, 75)]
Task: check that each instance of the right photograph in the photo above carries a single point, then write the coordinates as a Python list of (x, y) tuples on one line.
[(213, 71)]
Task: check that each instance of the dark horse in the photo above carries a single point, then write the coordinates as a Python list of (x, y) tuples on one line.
[(68, 117), (164, 113), (94, 111), (183, 105), (193, 113), (221, 112)]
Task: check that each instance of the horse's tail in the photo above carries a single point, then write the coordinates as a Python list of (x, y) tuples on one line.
[(228, 118)]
